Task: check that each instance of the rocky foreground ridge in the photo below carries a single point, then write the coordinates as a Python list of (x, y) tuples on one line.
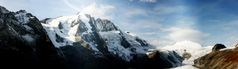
[(219, 58)]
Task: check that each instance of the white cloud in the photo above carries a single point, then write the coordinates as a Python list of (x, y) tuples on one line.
[(160, 42), (71, 5), (155, 42), (98, 10), (92, 8), (144, 28), (184, 28), (183, 33), (176, 34)]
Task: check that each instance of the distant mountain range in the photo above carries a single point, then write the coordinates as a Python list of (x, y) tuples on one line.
[(75, 42)]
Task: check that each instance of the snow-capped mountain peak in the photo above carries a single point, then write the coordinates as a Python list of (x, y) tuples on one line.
[(62, 30), (97, 34), (67, 27)]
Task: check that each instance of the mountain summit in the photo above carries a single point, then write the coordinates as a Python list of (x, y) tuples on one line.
[(98, 35)]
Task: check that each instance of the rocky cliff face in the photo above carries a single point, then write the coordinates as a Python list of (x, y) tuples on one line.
[(218, 59), (23, 41), (75, 42)]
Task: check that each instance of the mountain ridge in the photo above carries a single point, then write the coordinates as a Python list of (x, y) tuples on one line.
[(73, 43)]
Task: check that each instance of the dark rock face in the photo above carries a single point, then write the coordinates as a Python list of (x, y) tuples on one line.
[(81, 58), (23, 41), (158, 59), (224, 59)]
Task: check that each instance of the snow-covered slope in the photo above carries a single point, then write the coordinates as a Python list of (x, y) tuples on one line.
[(220, 58), (195, 49), (62, 30), (191, 47)]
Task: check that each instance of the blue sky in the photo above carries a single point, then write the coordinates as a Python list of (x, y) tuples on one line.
[(161, 22)]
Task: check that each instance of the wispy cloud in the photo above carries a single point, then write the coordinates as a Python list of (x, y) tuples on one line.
[(150, 1), (90, 7), (229, 26), (180, 34), (135, 12), (183, 28), (147, 1), (220, 31), (164, 10)]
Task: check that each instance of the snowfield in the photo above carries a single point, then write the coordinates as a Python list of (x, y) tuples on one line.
[(195, 49)]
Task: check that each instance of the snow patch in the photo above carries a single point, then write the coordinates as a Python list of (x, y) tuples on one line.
[(22, 17), (28, 38), (185, 67), (67, 32), (132, 34), (27, 27), (86, 19), (113, 41)]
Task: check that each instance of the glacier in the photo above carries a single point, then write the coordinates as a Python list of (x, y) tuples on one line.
[(195, 49)]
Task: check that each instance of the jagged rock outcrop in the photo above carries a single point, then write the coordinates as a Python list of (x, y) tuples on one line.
[(217, 47), (218, 59), (23, 41)]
